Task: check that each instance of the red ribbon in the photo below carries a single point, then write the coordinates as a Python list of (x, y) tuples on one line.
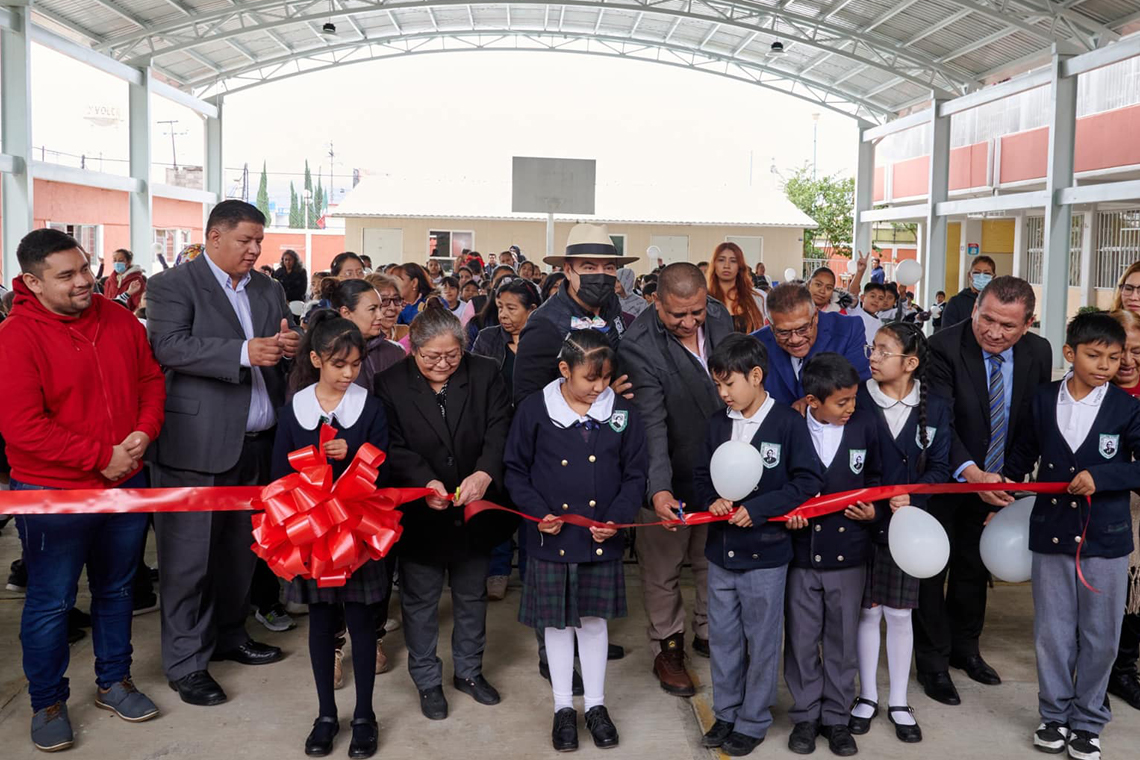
[(315, 528)]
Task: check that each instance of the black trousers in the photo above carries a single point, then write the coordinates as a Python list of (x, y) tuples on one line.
[(1129, 651), (952, 605), (206, 566)]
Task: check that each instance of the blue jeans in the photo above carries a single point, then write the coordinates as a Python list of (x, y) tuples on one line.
[(56, 547), (502, 555)]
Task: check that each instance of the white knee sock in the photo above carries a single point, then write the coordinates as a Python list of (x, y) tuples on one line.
[(560, 657), (593, 650), (867, 645), (900, 644)]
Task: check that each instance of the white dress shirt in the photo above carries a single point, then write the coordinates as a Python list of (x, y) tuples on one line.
[(562, 415), (261, 414), (700, 354), (309, 412), (871, 322), (825, 437), (897, 411), (1075, 418), (744, 428)]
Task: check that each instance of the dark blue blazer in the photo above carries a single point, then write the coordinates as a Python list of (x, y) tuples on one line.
[(836, 542), (901, 455), (371, 427), (1108, 453), (794, 477), (836, 332), (552, 470)]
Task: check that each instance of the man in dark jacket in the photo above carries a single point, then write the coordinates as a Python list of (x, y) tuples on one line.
[(960, 307), (665, 353), (60, 343)]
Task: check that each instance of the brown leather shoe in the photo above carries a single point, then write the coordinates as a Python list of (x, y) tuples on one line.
[(669, 667)]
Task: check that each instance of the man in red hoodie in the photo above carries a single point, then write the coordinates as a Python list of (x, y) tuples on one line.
[(83, 398)]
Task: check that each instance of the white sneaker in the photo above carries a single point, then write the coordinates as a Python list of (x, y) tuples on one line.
[(1084, 745), (1051, 737)]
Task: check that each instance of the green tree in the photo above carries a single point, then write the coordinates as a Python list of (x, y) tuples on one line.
[(830, 201), (263, 192), (308, 177), (294, 208), (318, 202)]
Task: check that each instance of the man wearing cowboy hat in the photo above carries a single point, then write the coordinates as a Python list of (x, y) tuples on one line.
[(587, 299)]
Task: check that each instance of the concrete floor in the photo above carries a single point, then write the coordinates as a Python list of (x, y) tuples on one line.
[(271, 708)]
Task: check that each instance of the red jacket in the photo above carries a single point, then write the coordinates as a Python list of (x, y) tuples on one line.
[(71, 388), (118, 283)]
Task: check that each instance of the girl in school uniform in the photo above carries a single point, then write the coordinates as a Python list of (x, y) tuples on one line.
[(577, 448), (914, 434), (325, 371)]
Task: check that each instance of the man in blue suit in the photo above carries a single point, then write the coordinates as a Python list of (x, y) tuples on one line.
[(797, 331)]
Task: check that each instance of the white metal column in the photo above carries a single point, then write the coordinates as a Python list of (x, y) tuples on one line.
[(1053, 308), (934, 266), (1089, 244), (17, 207), (864, 193), (142, 221), (215, 181), (1020, 246)]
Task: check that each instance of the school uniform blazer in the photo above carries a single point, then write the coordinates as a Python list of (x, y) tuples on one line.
[(552, 470), (1108, 453), (424, 447), (793, 476), (958, 374), (836, 332), (836, 542), (900, 456)]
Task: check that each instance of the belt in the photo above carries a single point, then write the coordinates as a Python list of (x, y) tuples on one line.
[(257, 434)]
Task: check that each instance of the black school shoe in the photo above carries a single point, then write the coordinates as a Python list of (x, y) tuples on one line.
[(701, 646), (320, 740), (433, 704), (1126, 685), (601, 727), (839, 740), (365, 738), (860, 726), (478, 689), (905, 733), (739, 745), (716, 736), (802, 740), (564, 735), (1084, 745), (578, 688)]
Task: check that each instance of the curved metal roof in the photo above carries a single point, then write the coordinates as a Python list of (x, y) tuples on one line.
[(869, 59)]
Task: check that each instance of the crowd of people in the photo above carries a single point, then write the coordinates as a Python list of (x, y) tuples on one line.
[(587, 391)]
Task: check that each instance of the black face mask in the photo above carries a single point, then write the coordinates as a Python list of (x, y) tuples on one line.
[(594, 289)]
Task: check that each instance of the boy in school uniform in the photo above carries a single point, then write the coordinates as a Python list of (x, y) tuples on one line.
[(829, 565), (1086, 433), (748, 556)]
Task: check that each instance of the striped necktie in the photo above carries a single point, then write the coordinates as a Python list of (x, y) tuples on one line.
[(999, 424)]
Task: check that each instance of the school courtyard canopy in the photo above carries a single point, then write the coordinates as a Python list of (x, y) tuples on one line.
[(889, 64)]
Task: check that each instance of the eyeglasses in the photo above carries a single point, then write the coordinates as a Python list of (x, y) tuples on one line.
[(877, 353), (1127, 290), (800, 332), (433, 360), (386, 303)]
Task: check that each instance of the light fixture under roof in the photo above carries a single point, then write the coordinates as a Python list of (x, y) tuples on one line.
[(777, 48), (329, 29)]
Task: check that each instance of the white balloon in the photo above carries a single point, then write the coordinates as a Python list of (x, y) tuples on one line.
[(852, 266), (653, 252), (157, 248), (918, 542), (789, 274), (735, 469), (1005, 542), (908, 272)]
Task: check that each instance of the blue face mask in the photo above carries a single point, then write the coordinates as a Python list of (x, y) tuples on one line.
[(980, 280), (120, 266)]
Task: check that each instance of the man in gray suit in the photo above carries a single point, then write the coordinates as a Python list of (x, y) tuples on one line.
[(665, 353), (221, 332)]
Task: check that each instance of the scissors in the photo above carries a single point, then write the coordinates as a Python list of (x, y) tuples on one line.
[(681, 512)]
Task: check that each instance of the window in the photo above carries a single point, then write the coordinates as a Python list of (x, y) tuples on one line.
[(753, 248), (449, 243), (170, 242), (90, 237), (619, 243)]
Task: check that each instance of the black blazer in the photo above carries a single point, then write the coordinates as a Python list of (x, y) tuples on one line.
[(425, 447), (958, 374)]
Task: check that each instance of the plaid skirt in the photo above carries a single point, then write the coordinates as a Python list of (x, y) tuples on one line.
[(887, 584), (368, 585), (559, 594)]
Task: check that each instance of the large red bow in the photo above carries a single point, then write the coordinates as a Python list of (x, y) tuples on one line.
[(322, 530)]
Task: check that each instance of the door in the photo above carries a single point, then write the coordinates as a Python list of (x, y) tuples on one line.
[(384, 245), (674, 248)]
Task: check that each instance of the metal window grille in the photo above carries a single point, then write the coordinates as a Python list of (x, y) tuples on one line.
[(1035, 232), (1118, 246)]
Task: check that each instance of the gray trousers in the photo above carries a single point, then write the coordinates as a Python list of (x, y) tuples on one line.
[(206, 565), (660, 555), (1076, 632), (746, 612), (822, 609), (421, 585)]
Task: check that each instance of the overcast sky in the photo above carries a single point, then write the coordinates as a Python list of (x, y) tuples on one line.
[(464, 115)]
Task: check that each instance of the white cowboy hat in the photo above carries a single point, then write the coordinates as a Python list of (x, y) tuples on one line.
[(589, 241)]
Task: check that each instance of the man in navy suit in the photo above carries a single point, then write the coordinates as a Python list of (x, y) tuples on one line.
[(797, 331)]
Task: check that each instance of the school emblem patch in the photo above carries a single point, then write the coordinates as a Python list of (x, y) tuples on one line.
[(856, 458), (1109, 445), (770, 454), (618, 420), (930, 431)]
